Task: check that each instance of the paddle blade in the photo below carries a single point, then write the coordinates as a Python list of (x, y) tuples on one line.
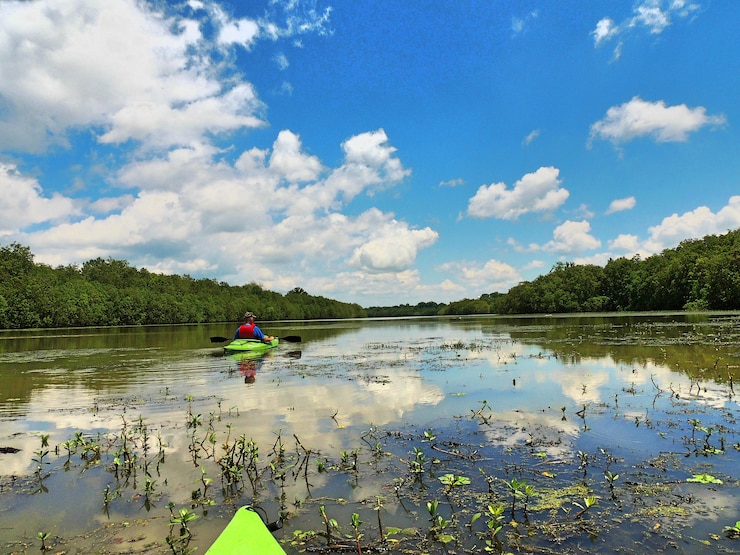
[(291, 338), (218, 339)]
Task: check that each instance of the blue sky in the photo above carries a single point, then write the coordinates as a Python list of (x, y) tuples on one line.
[(379, 152)]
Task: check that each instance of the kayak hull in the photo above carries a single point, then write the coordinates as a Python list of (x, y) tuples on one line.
[(250, 345), (246, 534)]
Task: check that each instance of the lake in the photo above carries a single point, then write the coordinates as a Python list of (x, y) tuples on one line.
[(546, 434)]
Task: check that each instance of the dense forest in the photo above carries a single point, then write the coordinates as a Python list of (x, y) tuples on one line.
[(421, 309), (699, 274), (111, 292)]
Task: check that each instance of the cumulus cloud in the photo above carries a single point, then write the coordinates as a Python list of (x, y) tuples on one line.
[(638, 118), (392, 248), (382, 289), (22, 203), (194, 210), (76, 63), (535, 192), (625, 242), (621, 204), (696, 223), (494, 275), (571, 238), (679, 227), (288, 160), (129, 71), (369, 163)]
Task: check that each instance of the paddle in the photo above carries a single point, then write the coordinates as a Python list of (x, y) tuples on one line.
[(287, 338)]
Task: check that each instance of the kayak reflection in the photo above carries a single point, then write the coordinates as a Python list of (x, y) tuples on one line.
[(250, 362)]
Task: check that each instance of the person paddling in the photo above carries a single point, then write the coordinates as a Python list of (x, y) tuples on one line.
[(250, 330)]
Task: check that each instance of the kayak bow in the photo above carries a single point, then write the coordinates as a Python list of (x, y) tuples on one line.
[(246, 534)]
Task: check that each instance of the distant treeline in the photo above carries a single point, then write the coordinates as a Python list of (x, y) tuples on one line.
[(699, 274), (421, 309), (111, 292)]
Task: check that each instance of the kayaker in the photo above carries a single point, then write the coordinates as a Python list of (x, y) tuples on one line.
[(250, 330)]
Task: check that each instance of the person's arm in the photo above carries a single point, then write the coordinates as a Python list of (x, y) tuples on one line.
[(258, 333), (236, 333)]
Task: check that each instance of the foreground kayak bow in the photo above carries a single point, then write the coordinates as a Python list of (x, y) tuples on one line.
[(247, 534)]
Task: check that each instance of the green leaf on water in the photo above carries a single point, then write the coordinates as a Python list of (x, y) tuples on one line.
[(704, 479)]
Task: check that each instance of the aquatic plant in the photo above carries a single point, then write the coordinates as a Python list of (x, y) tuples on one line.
[(733, 532), (330, 525), (450, 481), (704, 479), (378, 508), (416, 465), (356, 527), (588, 502), (438, 524), (179, 544), (494, 522), (610, 479), (43, 537), (519, 490)]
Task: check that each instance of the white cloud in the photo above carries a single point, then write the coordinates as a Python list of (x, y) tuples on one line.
[(380, 289), (531, 137), (625, 242), (535, 192), (696, 223), (298, 20), (369, 163), (638, 118), (392, 248), (243, 32), (76, 63), (605, 30), (519, 24), (494, 275), (675, 228), (571, 238), (288, 160), (452, 182), (266, 210), (618, 205), (281, 60), (166, 124), (129, 71), (651, 16), (22, 203)]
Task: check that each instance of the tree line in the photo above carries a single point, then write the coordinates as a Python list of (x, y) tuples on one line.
[(699, 274), (108, 292)]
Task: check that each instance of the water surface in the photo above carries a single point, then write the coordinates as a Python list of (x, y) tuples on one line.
[(341, 420)]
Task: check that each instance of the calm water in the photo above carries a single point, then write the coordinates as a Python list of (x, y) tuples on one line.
[(648, 397)]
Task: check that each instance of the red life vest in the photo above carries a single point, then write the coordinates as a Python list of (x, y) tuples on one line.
[(246, 331)]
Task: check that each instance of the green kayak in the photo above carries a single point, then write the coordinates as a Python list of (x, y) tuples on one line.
[(252, 345), (246, 534)]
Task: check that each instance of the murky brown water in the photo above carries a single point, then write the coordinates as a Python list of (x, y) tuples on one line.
[(624, 409)]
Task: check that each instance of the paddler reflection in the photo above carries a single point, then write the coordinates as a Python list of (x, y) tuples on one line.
[(249, 365)]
